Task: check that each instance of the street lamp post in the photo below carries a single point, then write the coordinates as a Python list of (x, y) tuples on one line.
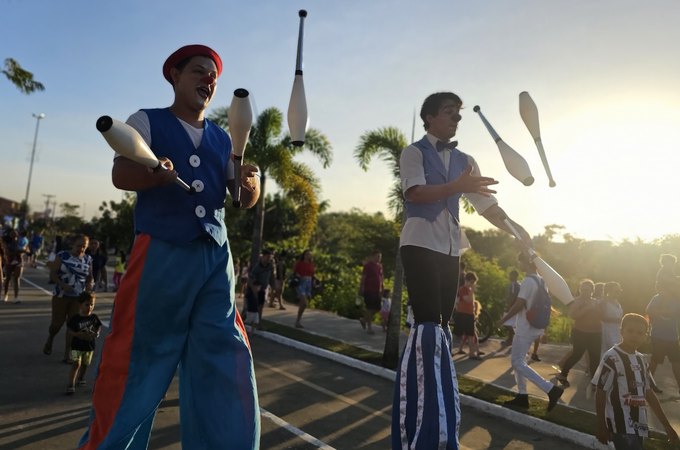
[(30, 169)]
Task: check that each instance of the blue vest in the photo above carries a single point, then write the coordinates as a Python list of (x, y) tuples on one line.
[(435, 173), (168, 212)]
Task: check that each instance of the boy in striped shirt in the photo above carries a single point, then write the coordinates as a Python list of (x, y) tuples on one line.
[(624, 391)]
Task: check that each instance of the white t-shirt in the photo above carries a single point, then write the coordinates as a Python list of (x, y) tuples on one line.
[(443, 235), (527, 291)]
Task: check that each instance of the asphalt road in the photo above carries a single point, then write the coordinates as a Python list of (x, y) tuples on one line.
[(307, 402)]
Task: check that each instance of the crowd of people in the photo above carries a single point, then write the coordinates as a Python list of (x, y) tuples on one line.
[(619, 374), (266, 280)]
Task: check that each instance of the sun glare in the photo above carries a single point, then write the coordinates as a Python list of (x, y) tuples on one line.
[(623, 160)]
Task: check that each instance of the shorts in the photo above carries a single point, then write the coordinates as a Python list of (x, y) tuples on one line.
[(305, 287), (83, 356), (372, 301), (255, 301), (662, 349), (464, 324)]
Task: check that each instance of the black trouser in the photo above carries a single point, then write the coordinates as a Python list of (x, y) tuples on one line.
[(432, 282), (582, 342)]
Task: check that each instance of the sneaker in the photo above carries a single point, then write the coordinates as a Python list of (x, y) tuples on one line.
[(298, 325), (282, 307), (6, 298), (362, 322), (17, 301), (70, 390), (553, 396), (47, 348), (461, 352), (520, 401), (535, 357), (81, 383)]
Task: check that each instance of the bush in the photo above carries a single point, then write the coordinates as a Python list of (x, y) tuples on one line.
[(559, 330)]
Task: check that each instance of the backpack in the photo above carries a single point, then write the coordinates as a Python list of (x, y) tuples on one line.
[(538, 315)]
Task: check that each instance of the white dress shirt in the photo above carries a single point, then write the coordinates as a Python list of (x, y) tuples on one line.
[(443, 235)]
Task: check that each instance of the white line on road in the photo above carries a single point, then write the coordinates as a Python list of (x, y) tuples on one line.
[(36, 286), (296, 431)]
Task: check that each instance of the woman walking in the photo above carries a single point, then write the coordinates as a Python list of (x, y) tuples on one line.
[(72, 275), (304, 270)]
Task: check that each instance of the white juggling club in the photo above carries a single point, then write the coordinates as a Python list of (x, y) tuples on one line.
[(297, 108), (515, 164), (529, 113), (553, 280), (240, 119), (126, 141)]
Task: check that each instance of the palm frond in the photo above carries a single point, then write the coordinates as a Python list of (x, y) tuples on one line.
[(385, 143)]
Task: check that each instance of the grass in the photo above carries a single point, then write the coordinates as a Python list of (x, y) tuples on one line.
[(575, 419)]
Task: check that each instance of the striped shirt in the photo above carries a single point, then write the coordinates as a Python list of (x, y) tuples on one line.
[(625, 379)]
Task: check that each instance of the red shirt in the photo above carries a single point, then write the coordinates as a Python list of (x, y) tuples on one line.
[(373, 278), (463, 306), (304, 269)]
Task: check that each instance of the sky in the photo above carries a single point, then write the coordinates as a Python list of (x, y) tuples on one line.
[(603, 73)]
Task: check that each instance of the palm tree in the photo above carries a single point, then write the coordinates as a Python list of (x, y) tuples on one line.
[(20, 77), (273, 153), (387, 144)]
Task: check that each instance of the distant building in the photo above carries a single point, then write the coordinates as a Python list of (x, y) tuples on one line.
[(9, 210)]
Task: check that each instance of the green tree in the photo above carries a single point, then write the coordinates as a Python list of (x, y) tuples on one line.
[(69, 222), (386, 144), (341, 242), (271, 150), (115, 226), (20, 77)]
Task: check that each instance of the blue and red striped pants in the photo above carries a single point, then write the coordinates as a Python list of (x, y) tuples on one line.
[(175, 307)]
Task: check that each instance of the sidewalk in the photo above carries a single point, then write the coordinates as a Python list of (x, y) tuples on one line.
[(494, 368)]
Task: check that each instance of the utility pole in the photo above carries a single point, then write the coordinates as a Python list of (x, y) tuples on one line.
[(48, 197), (30, 169)]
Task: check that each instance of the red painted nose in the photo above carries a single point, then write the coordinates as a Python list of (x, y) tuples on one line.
[(208, 79)]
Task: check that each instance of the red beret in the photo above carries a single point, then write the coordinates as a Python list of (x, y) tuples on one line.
[(187, 52)]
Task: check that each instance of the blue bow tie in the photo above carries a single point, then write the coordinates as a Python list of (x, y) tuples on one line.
[(441, 146)]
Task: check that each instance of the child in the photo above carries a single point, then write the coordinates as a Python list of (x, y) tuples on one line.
[(84, 329), (465, 315), (624, 391), (385, 304), (119, 270)]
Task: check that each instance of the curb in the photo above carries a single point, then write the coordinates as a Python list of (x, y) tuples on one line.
[(573, 436)]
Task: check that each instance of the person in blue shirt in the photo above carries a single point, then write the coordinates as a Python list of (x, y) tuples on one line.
[(175, 305)]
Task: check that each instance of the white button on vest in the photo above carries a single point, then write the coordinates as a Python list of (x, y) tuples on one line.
[(200, 211), (194, 160), (197, 185)]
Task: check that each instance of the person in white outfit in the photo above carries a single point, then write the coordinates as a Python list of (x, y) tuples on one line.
[(525, 335), (612, 313)]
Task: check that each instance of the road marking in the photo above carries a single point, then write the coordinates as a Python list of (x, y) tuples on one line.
[(328, 392), (296, 431), (36, 286)]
